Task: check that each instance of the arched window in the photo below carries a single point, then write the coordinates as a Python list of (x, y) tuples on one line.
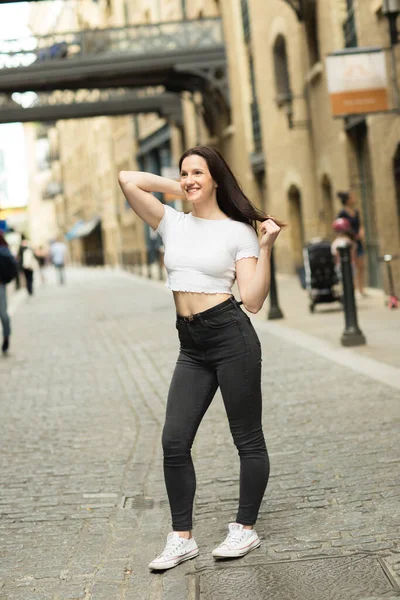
[(282, 79)]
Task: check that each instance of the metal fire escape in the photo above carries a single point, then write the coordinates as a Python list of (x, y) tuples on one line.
[(122, 70)]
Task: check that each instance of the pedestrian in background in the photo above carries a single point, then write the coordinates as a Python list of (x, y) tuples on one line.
[(8, 271), (14, 245), (58, 254), (205, 251), (41, 257), (350, 212), (29, 263)]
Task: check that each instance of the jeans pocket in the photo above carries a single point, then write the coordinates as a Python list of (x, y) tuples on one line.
[(252, 330), (220, 321)]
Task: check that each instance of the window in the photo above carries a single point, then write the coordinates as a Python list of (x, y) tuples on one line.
[(349, 26), (245, 20), (311, 26), (255, 114), (282, 79)]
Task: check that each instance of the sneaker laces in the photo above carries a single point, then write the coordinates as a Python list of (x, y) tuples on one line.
[(235, 536), (173, 544)]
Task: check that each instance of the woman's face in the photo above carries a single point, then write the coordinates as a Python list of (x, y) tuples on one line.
[(352, 201), (196, 181)]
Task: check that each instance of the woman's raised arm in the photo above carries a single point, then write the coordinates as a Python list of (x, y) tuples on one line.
[(138, 186)]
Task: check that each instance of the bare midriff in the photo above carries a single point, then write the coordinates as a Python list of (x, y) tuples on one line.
[(192, 303)]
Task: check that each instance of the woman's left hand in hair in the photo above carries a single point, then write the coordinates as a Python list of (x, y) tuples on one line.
[(270, 231)]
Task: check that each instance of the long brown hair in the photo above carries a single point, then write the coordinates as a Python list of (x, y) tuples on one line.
[(230, 197), (3, 241)]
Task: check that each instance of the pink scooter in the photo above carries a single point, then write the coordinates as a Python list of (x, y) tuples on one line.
[(393, 301)]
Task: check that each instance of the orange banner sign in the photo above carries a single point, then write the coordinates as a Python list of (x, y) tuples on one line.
[(357, 82)]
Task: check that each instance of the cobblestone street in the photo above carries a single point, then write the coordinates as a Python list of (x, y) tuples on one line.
[(83, 503)]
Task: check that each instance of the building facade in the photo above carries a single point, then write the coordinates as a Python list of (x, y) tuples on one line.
[(276, 130), (309, 154), (14, 191), (89, 153)]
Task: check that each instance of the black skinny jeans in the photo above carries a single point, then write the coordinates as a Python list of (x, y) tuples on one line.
[(219, 347)]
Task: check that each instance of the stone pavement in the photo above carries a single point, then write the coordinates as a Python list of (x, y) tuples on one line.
[(83, 504), (380, 325)]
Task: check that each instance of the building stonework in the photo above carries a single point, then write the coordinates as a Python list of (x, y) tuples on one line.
[(309, 163), (277, 134)]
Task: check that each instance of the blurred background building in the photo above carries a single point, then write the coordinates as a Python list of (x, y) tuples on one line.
[(13, 178), (262, 100)]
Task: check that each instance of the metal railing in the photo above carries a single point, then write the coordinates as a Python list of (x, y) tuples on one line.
[(152, 38), (133, 262), (68, 97)]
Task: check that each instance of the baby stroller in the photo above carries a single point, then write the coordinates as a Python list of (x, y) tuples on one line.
[(320, 274)]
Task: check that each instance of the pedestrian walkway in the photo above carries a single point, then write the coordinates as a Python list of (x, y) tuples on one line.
[(380, 325), (83, 503)]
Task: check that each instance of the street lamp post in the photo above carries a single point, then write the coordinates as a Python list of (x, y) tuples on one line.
[(352, 335), (274, 308)]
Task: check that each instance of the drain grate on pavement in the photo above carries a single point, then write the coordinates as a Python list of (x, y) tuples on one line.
[(140, 502), (342, 578)]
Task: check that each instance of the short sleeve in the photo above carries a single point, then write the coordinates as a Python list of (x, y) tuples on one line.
[(170, 215), (248, 245)]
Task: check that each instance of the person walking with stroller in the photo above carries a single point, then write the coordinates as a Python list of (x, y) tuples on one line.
[(8, 271), (205, 251)]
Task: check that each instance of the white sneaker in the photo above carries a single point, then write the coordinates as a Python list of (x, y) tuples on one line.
[(238, 542), (177, 550)]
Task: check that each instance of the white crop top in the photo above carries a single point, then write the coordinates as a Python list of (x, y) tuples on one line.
[(201, 254)]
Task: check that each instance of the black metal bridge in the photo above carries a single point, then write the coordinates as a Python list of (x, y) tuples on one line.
[(179, 56)]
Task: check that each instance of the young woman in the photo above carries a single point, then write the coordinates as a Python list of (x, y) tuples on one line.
[(205, 251), (350, 212)]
